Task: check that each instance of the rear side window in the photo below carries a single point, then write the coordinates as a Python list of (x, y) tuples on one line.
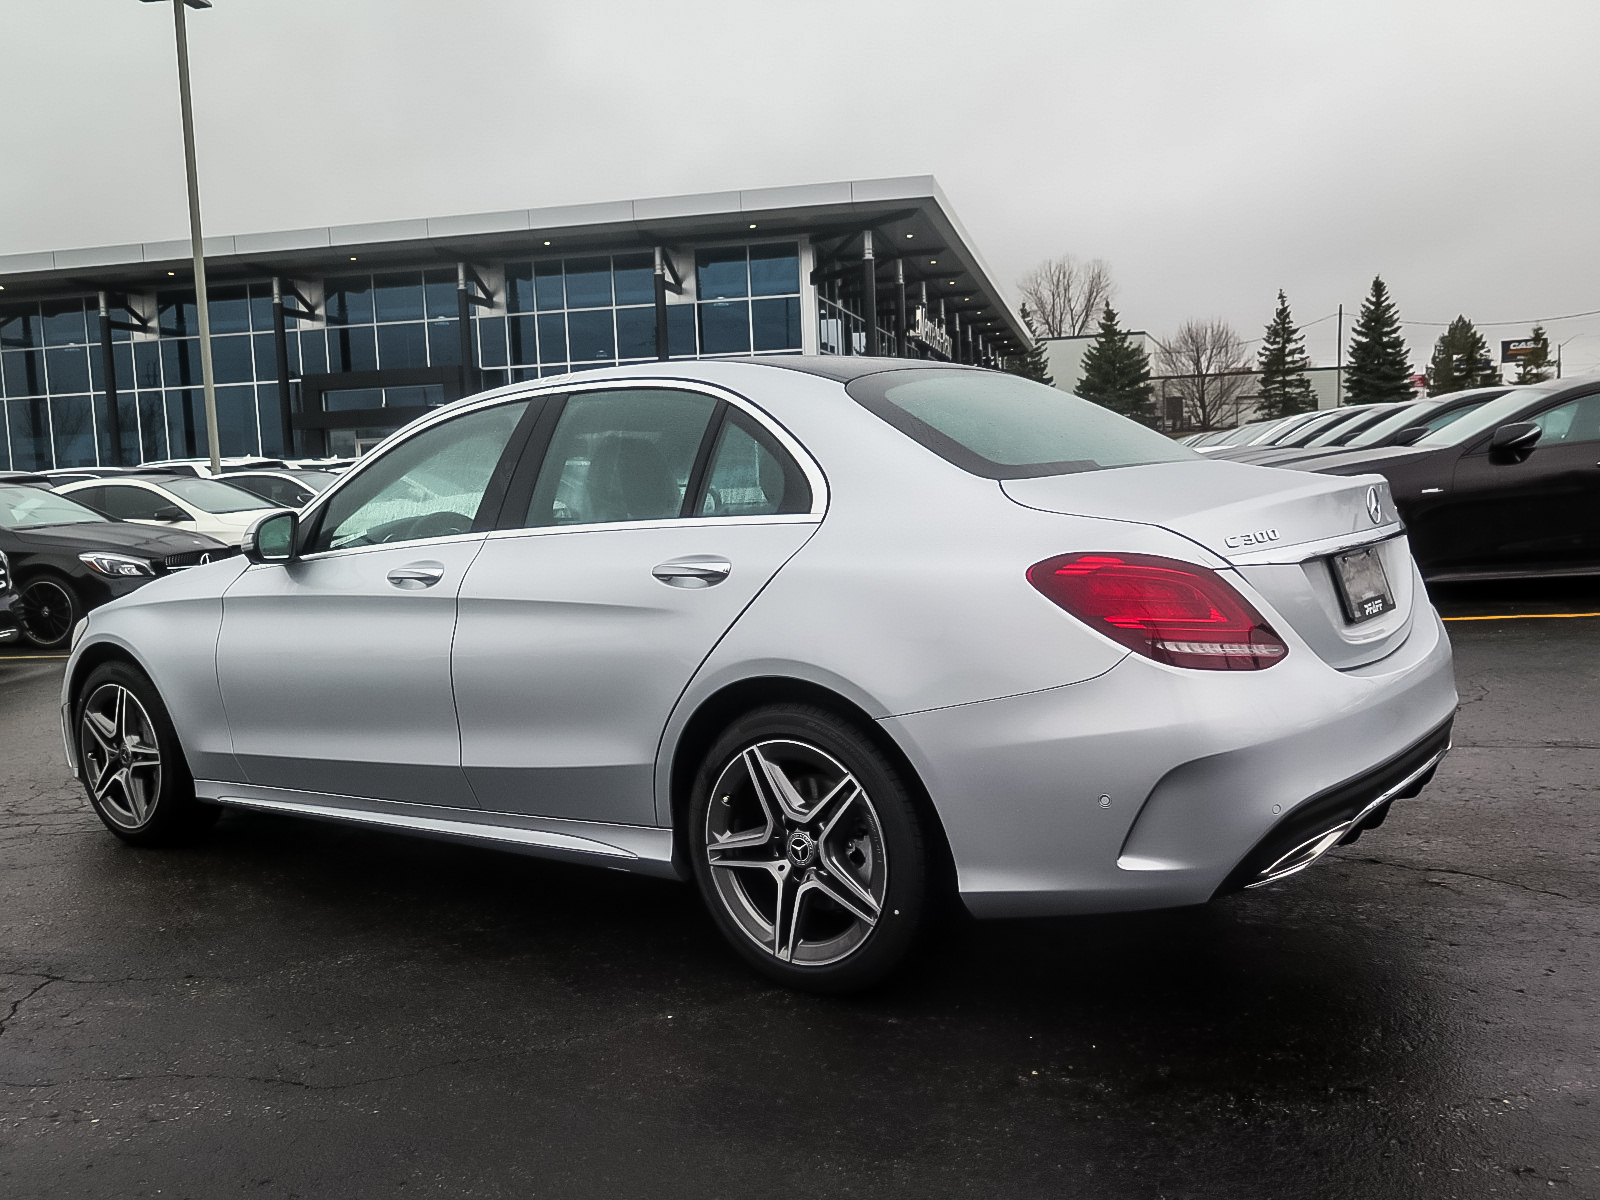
[(751, 477), (1004, 427), (623, 455)]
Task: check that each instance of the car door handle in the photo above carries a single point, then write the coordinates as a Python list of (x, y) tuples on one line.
[(417, 575), (696, 571)]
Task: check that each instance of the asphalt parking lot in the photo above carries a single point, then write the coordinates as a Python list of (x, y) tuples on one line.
[(293, 1009)]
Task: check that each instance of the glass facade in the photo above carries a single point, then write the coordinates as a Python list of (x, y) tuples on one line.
[(560, 315)]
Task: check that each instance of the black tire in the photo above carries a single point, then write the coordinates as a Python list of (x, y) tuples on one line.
[(132, 764), (50, 611), (853, 865)]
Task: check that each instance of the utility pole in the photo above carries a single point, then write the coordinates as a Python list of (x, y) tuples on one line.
[(1338, 370), (207, 378)]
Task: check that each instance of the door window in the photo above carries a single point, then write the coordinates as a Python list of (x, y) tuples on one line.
[(1575, 421), (94, 497), (623, 455), (750, 477), (131, 503), (430, 485)]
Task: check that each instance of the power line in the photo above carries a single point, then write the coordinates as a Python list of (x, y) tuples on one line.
[(1594, 312)]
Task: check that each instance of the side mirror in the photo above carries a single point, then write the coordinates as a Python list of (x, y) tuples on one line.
[(272, 538), (1409, 436), (1513, 443), (169, 512)]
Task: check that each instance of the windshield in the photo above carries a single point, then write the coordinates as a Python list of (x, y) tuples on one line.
[(1004, 427), (211, 495), (1427, 414), (1340, 435), (1235, 436), (31, 507), (1496, 412), (317, 481), (1280, 428)]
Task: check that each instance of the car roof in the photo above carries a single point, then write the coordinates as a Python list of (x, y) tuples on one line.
[(846, 368)]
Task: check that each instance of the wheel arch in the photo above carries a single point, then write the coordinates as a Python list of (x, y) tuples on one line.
[(721, 708)]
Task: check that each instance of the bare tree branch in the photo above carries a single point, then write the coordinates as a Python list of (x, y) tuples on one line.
[(1205, 365), (1066, 294)]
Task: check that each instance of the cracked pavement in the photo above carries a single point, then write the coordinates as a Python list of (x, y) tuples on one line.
[(293, 1009)]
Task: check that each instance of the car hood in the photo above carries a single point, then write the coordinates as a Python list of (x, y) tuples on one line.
[(1234, 510), (115, 535)]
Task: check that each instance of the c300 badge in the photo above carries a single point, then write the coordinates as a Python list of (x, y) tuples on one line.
[(1258, 538)]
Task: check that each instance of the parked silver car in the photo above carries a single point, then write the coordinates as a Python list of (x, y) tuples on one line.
[(824, 635)]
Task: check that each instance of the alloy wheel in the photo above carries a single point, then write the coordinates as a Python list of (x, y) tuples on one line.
[(796, 852), (47, 609), (121, 757)]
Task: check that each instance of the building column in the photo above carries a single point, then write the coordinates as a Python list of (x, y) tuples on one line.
[(955, 338), (901, 336), (869, 293), (280, 351), (108, 370), (464, 315), (663, 350)]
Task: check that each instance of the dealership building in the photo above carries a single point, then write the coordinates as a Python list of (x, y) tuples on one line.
[(324, 340)]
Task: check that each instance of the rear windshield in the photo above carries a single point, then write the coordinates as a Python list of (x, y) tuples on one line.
[(1005, 427)]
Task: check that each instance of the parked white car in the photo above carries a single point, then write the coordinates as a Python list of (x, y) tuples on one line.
[(206, 506)]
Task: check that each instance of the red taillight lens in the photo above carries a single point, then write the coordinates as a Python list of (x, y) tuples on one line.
[(1174, 612)]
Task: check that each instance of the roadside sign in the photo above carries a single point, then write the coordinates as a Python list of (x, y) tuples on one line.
[(1519, 348)]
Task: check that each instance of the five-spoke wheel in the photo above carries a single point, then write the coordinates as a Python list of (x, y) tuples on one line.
[(808, 849), (121, 761), (132, 765)]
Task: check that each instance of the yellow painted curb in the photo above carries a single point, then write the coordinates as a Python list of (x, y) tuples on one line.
[(1526, 617)]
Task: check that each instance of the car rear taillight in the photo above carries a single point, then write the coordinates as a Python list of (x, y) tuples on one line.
[(1174, 612)]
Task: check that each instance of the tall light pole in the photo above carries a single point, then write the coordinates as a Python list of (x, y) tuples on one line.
[(208, 382)]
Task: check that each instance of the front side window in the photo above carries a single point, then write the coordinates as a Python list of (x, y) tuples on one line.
[(430, 485), (1004, 427), (623, 455), (131, 503), (1575, 421)]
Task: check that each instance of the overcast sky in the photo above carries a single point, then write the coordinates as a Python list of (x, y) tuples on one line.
[(1213, 151)]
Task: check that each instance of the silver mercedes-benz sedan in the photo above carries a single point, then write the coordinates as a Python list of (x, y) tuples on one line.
[(831, 637)]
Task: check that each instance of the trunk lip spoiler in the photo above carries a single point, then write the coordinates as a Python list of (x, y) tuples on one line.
[(1301, 552)]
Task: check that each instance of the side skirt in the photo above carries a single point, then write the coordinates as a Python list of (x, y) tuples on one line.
[(637, 848)]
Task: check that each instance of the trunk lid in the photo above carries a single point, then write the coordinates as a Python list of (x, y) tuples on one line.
[(1280, 530)]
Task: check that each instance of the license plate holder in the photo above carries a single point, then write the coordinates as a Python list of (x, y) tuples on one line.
[(1362, 584)]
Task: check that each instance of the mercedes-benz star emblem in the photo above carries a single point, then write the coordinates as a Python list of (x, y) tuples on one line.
[(1374, 506), (205, 557), (801, 848)]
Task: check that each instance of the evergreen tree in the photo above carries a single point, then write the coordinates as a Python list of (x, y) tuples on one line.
[(1535, 367), (1379, 369), (1033, 363), (1460, 360), (1285, 390), (1116, 373)]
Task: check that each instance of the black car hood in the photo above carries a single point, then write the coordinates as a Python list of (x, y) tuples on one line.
[(1366, 459), (115, 535)]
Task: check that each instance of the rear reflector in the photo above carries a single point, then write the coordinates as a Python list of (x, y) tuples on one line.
[(1174, 612)]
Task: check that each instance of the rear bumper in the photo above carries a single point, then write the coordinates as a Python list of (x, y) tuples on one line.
[(1340, 815), (1150, 787)]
